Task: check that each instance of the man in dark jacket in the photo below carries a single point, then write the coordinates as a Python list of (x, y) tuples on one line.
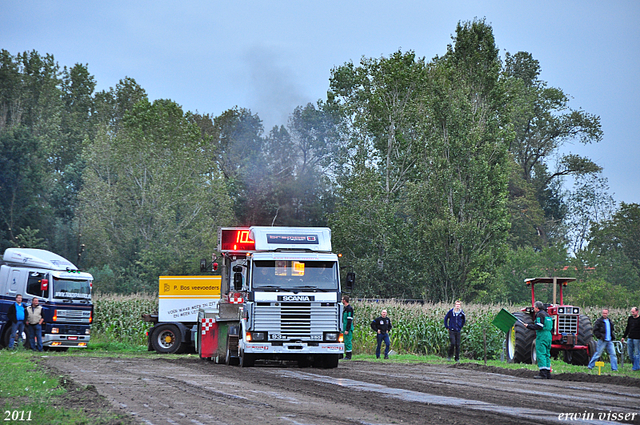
[(382, 325), (603, 330), (543, 325), (17, 315), (454, 320), (633, 342)]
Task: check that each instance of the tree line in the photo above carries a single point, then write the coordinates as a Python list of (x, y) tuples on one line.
[(441, 179)]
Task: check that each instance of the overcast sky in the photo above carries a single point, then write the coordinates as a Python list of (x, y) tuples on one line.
[(271, 56)]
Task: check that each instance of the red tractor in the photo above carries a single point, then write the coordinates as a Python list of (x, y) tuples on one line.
[(572, 331)]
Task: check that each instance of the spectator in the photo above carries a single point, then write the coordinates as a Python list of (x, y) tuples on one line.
[(382, 326), (17, 314), (543, 325), (454, 320), (35, 321), (633, 342), (605, 332), (347, 325)]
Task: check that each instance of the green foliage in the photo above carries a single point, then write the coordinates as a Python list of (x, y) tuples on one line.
[(118, 319), (419, 329)]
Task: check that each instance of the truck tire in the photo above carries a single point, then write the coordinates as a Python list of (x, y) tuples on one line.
[(330, 361), (6, 336), (519, 340), (166, 339), (247, 360), (585, 337)]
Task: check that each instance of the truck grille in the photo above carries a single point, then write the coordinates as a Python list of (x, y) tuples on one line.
[(73, 316), (567, 324), (296, 320)]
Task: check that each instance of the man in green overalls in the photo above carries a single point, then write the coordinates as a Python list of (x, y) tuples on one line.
[(543, 325), (347, 325)]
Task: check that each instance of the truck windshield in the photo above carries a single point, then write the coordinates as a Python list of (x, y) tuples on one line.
[(73, 289), (290, 274)]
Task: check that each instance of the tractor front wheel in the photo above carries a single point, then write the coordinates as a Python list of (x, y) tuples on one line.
[(519, 340), (585, 337)]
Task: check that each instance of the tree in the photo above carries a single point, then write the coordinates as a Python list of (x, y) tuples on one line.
[(460, 198), (542, 123), (378, 106), (424, 173), (22, 172), (149, 205), (620, 234)]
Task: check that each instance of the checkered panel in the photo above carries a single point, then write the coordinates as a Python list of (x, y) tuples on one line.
[(207, 324)]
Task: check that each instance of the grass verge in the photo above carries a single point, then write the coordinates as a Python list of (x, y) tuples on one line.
[(31, 394)]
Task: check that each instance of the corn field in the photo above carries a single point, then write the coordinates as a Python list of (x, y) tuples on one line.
[(417, 329), (118, 318)]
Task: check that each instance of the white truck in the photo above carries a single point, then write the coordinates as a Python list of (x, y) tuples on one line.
[(64, 292), (281, 298)]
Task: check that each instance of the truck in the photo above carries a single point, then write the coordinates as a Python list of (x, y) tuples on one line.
[(64, 292), (281, 298), (571, 333), (179, 300)]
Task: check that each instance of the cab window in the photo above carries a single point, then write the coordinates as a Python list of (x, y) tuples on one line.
[(34, 285)]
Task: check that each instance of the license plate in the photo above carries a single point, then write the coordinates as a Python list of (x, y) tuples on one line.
[(72, 338), (277, 337)]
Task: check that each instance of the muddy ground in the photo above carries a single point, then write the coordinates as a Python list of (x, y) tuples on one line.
[(187, 390)]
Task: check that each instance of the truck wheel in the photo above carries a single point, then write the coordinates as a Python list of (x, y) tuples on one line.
[(330, 361), (166, 339), (585, 337), (6, 336), (247, 360), (519, 340)]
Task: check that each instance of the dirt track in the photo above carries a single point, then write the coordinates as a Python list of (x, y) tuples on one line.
[(186, 390)]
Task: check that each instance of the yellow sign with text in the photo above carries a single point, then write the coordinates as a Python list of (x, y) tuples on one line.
[(189, 287)]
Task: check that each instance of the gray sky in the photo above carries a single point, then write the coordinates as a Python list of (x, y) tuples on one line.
[(270, 57)]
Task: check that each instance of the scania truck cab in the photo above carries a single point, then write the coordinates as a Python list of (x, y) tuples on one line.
[(281, 298), (63, 291)]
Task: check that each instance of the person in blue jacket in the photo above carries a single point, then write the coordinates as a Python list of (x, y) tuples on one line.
[(454, 321), (17, 315)]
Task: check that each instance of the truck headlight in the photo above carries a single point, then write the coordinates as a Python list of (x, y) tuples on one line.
[(55, 330), (331, 336), (258, 336)]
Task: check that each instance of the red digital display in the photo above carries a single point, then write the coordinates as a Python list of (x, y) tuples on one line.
[(236, 239)]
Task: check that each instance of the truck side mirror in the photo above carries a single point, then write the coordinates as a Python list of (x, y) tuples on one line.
[(237, 281), (351, 280)]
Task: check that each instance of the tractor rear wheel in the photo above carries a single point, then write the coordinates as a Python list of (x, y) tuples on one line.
[(585, 337), (519, 340)]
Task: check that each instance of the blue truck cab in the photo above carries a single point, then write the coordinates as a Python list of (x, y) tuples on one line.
[(63, 291)]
